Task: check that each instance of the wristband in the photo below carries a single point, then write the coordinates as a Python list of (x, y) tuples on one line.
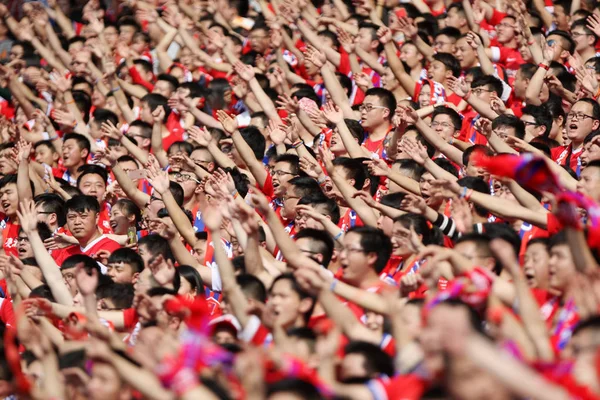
[(463, 192), (70, 102), (321, 181), (297, 143), (542, 65), (468, 194), (531, 42), (45, 136), (338, 236), (113, 90), (333, 285), (236, 194)]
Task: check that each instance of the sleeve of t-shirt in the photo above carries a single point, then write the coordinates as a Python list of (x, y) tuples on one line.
[(217, 283), (267, 186), (344, 67), (497, 17), (255, 332), (496, 54), (7, 313), (130, 318)]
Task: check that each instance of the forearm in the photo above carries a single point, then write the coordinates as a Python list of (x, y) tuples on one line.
[(207, 120), (437, 171), (344, 318), (407, 82), (499, 145), (406, 183), (532, 94), (23, 186), (264, 101), (354, 149), (364, 211), (50, 270), (436, 140), (424, 48), (256, 167), (336, 91), (157, 145), (134, 150), (220, 158), (140, 198), (181, 221)]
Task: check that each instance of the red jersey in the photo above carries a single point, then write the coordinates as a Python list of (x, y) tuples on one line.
[(10, 234), (101, 243), (565, 155), (350, 219)]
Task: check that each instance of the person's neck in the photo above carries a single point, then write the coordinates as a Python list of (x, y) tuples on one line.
[(478, 219), (370, 280), (576, 145), (73, 171), (511, 44), (379, 132), (587, 53), (84, 242)]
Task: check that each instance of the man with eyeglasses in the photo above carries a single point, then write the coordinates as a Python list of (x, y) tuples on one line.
[(376, 114), (585, 39), (583, 118), (537, 120)]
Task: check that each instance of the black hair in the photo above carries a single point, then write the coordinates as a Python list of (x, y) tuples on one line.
[(557, 239), (419, 224), (567, 41), (255, 140), (83, 101), (252, 287), (450, 31), (155, 245), (52, 203), (129, 208), (386, 99), (354, 168), (330, 35), (446, 165), (454, 116), (121, 294), (145, 128), (192, 275), (292, 159), (449, 61), (307, 93), (91, 169), (196, 90), (504, 232), (595, 107), (488, 80), (42, 292), (541, 116), (376, 361), (510, 121), (82, 142), (82, 203), (330, 207), (182, 145), (321, 243), (305, 186), (478, 185), (155, 100), (297, 289), (298, 388), (169, 79), (356, 129), (102, 115), (392, 199), (373, 240), (466, 156), (414, 169), (127, 256)]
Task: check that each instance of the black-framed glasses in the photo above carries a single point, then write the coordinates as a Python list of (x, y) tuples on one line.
[(184, 177), (580, 116), (282, 173)]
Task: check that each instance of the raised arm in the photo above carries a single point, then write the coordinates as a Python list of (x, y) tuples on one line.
[(158, 116)]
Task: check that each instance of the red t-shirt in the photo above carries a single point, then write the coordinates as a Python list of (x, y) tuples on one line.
[(101, 243), (564, 154), (175, 131), (10, 234)]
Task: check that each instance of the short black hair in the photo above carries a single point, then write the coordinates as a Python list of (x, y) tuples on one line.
[(478, 185), (255, 140), (386, 98), (82, 142), (454, 116), (155, 100), (102, 115), (450, 31), (373, 240), (296, 288), (91, 169), (510, 121), (304, 186), (488, 80), (252, 287), (354, 168), (52, 203), (450, 62), (82, 203), (170, 79), (292, 159), (321, 242), (145, 128), (155, 245), (541, 116), (298, 388), (127, 256), (377, 362), (121, 294), (567, 41)]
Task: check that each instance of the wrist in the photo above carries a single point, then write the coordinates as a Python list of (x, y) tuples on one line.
[(545, 65), (466, 96)]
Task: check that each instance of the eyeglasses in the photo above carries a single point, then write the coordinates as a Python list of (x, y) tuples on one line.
[(226, 149), (479, 90), (579, 34), (154, 198), (579, 116), (505, 25), (368, 107), (445, 125), (256, 37), (22, 239), (285, 198), (529, 123), (184, 177), (282, 173)]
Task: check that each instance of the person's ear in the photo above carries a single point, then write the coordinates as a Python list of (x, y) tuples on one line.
[(595, 124), (146, 142), (131, 218), (84, 154), (305, 305)]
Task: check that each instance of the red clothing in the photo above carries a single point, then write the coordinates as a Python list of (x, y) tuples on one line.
[(101, 243), (7, 313), (104, 219), (175, 131), (565, 155), (349, 220), (10, 234), (401, 387), (509, 58)]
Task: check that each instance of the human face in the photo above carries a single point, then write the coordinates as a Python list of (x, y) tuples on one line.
[(355, 262), (199, 251), (410, 55), (437, 71), (364, 40), (443, 44), (93, 185), (45, 155), (483, 93), (136, 133), (372, 112), (104, 383), (69, 279), (281, 176), (425, 184), (290, 201), (561, 267), (126, 33), (72, 155), (353, 366), (120, 272), (23, 246), (454, 20), (478, 172), (82, 225), (465, 54), (589, 182), (119, 222), (16, 52), (425, 96), (259, 40), (591, 152), (561, 18), (532, 129), (79, 65), (111, 36), (389, 81), (188, 182), (469, 250), (580, 122), (535, 266), (386, 224), (9, 199), (401, 246), (582, 39), (164, 88), (284, 303), (443, 126), (337, 145), (186, 57), (506, 30)]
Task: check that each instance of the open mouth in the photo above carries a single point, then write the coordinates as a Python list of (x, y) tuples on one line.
[(113, 224), (5, 205), (573, 126)]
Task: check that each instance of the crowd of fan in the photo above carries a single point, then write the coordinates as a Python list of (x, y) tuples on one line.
[(295, 200)]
